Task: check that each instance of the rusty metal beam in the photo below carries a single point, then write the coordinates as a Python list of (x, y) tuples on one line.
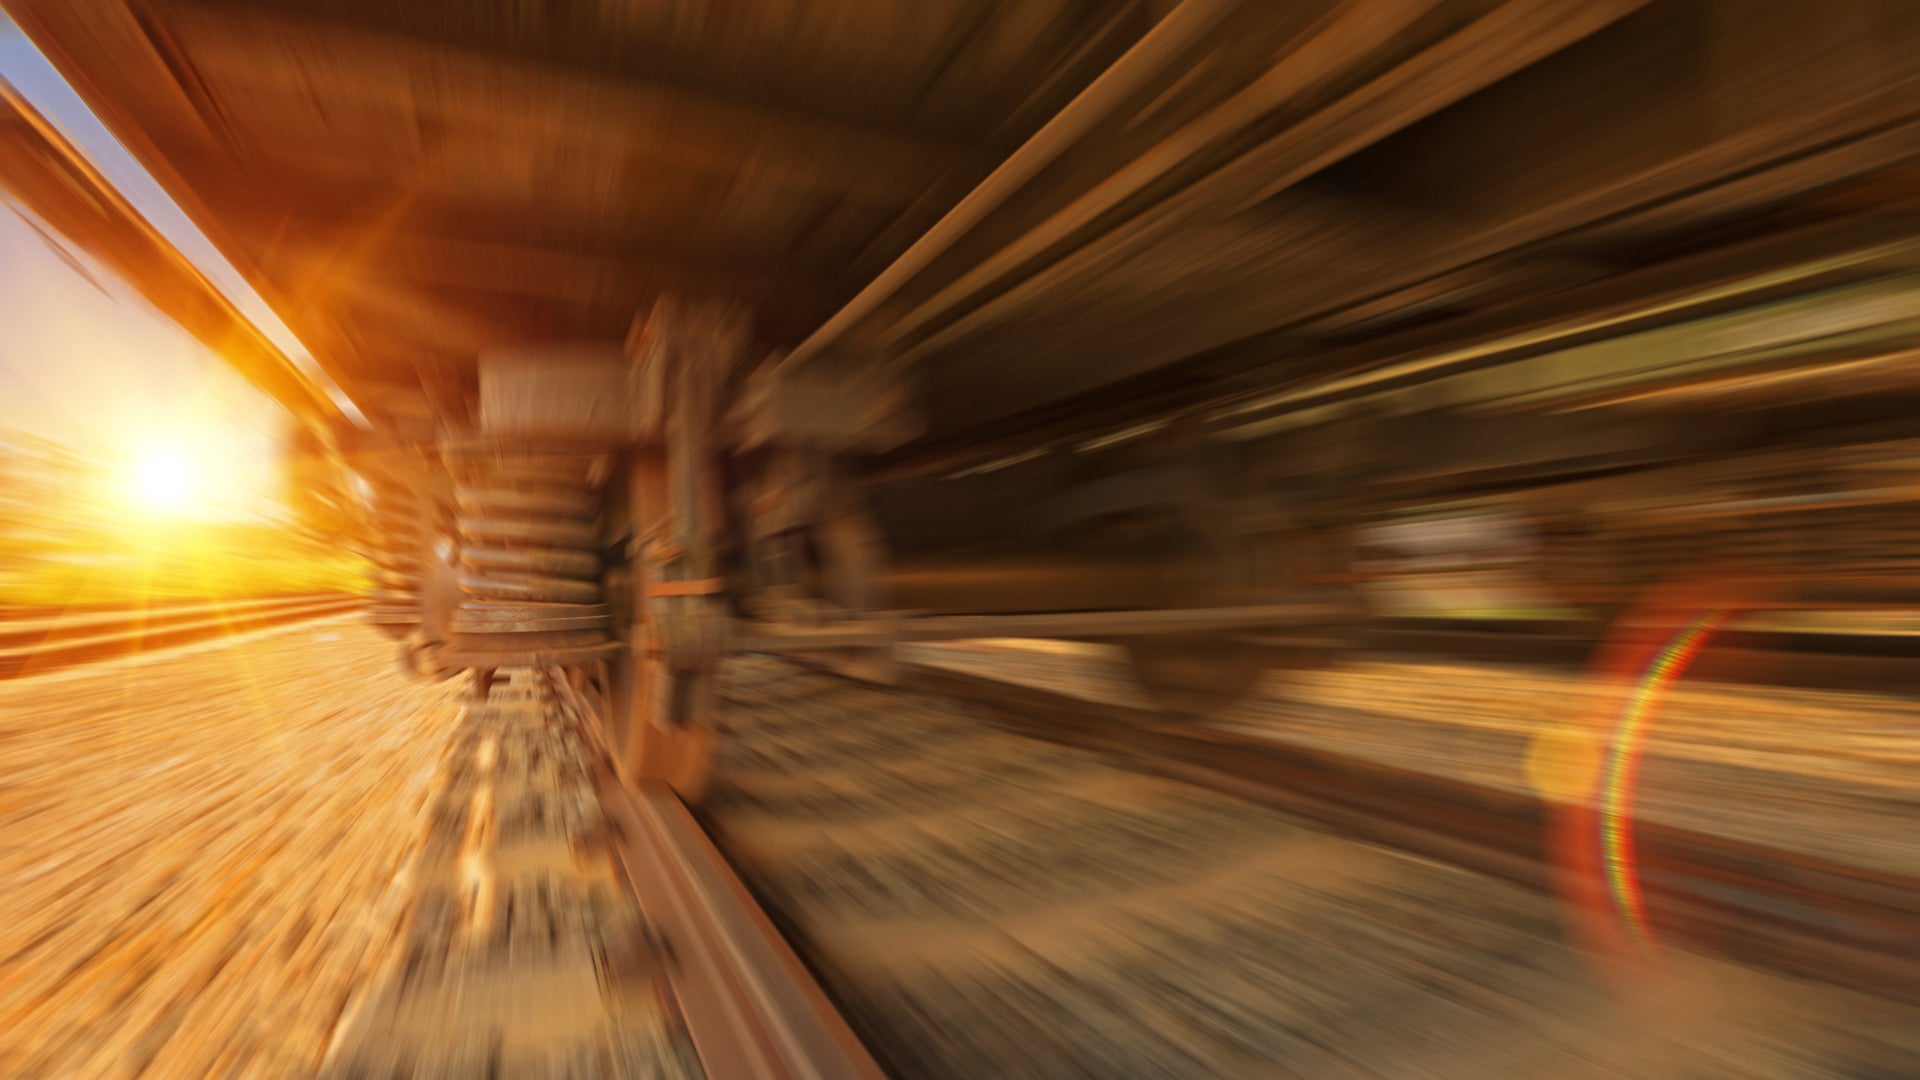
[(418, 99), (666, 59), (587, 280), (1508, 39), (1348, 34), (1277, 373), (1167, 43), (1702, 151)]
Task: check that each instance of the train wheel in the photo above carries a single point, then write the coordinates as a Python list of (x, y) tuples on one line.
[(1197, 676), (1221, 544)]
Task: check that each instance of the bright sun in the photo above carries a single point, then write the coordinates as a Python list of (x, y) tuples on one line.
[(164, 479)]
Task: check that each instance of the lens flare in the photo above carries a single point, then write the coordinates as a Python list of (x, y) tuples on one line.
[(1623, 763), (164, 480)]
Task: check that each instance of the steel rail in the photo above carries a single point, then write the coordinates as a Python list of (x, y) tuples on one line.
[(749, 1004), (41, 645), (1799, 659), (18, 625), (768, 637)]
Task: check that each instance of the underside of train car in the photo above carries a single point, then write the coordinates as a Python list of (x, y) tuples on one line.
[(682, 330)]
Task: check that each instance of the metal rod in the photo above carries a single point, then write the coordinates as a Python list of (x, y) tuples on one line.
[(1497, 44), (1343, 33), (1149, 57), (1026, 583), (775, 638)]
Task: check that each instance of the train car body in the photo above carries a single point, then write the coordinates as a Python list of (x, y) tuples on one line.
[(684, 329)]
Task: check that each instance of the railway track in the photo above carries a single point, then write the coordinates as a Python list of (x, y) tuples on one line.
[(479, 894), (993, 892), (1758, 656), (39, 640), (1747, 888), (282, 858), (565, 925)]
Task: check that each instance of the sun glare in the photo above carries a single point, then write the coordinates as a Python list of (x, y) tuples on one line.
[(164, 480)]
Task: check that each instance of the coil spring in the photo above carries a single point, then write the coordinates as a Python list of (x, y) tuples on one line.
[(529, 564), (396, 551)]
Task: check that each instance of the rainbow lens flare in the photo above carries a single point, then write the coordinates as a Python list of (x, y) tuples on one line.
[(1623, 765)]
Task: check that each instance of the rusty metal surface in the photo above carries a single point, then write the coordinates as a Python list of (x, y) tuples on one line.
[(579, 392), (750, 1008)]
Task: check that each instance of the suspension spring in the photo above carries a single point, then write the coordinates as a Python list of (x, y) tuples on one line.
[(529, 563)]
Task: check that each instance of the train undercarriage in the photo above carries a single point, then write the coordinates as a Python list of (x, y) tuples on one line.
[(1180, 327)]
